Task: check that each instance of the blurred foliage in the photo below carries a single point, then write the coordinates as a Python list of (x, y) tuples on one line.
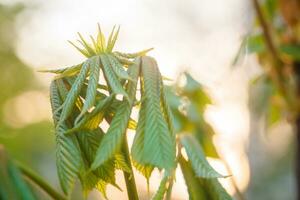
[(12, 184), (16, 77), (274, 94), (188, 102)]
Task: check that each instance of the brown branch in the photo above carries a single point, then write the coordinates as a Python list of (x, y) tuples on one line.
[(266, 33), (277, 74)]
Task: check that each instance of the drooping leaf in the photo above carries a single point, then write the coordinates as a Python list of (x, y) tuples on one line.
[(120, 163), (137, 149), (111, 78), (112, 140), (68, 157), (118, 68), (73, 94), (158, 149), (197, 157), (92, 85), (93, 118), (194, 187), (123, 60), (89, 141), (215, 189)]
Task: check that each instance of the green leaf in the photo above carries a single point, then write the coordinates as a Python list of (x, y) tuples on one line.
[(87, 46), (215, 189), (112, 42), (118, 68), (89, 141), (194, 187), (111, 36), (67, 71), (157, 148), (145, 170), (92, 85), (111, 78), (68, 157), (120, 163), (133, 55), (100, 40), (94, 118), (197, 158), (73, 94), (123, 60), (82, 51), (112, 140)]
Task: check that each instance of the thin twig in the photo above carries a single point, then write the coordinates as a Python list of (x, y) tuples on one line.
[(277, 75)]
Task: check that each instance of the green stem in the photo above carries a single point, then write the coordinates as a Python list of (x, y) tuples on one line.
[(129, 177), (169, 191), (40, 182)]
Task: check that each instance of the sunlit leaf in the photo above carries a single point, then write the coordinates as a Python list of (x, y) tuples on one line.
[(112, 140), (197, 158)]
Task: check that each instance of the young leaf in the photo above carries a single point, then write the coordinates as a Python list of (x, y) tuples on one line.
[(133, 55), (87, 46), (92, 85), (82, 51), (120, 163), (118, 68), (68, 157), (159, 149), (197, 158), (100, 40), (111, 78), (215, 189), (93, 118), (63, 71), (73, 94), (112, 140), (194, 187), (123, 60), (89, 141), (111, 44)]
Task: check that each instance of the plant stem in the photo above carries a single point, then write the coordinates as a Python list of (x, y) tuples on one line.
[(169, 191), (129, 177), (40, 182)]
